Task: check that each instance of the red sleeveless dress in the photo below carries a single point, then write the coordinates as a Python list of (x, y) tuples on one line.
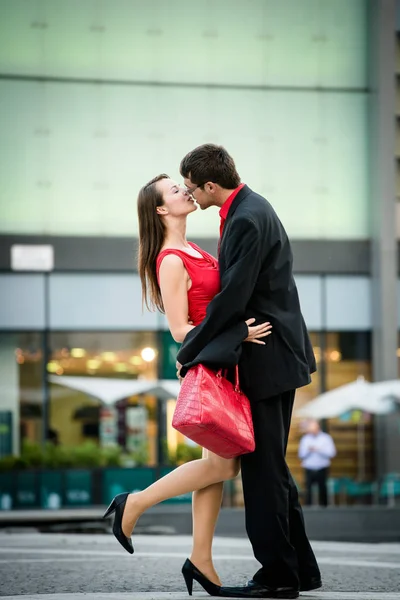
[(204, 274)]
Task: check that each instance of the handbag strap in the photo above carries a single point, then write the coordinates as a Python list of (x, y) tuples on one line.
[(223, 372), (237, 384)]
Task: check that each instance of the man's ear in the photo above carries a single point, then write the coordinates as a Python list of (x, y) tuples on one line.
[(210, 187)]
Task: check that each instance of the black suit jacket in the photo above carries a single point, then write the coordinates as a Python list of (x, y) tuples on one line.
[(255, 264)]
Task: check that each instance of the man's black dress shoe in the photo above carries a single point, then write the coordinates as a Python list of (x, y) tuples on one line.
[(257, 590), (310, 584)]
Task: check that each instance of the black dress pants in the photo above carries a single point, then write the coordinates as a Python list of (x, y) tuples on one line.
[(274, 519), (319, 477)]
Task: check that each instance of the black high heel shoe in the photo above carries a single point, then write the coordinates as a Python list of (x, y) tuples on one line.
[(190, 572), (118, 506)]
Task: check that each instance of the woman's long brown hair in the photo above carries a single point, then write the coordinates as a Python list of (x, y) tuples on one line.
[(151, 239)]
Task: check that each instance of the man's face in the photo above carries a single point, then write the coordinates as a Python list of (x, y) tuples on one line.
[(313, 427), (203, 195)]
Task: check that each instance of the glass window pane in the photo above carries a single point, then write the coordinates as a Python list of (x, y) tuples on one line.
[(303, 395), (348, 356), (90, 406), (21, 393)]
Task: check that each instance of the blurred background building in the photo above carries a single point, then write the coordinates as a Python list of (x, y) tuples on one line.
[(96, 98)]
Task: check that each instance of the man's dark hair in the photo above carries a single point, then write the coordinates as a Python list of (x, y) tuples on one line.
[(210, 163)]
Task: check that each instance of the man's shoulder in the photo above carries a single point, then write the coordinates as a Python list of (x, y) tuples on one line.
[(258, 210), (255, 204), (255, 198)]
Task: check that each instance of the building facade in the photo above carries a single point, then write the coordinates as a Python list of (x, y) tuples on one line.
[(99, 99)]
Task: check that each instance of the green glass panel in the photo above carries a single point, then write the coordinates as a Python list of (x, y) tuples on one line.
[(308, 156), (116, 481), (27, 490), (5, 433), (282, 42), (7, 491), (78, 488), (169, 352), (50, 483)]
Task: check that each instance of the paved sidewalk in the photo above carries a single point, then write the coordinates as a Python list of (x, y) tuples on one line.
[(94, 567)]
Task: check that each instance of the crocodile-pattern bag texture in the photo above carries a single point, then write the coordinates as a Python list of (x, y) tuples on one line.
[(213, 412)]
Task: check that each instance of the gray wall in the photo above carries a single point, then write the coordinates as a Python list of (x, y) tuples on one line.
[(112, 301)]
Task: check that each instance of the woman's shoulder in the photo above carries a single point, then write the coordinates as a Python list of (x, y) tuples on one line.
[(170, 257), (170, 266)]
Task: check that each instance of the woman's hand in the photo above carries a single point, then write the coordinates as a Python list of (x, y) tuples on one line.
[(257, 332), (178, 371)]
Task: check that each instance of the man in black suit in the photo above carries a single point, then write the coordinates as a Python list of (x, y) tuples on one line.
[(255, 262)]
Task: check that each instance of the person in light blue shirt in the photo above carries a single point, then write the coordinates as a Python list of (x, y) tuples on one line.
[(316, 450)]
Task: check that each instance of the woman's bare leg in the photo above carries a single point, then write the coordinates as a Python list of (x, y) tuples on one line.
[(191, 476), (205, 508)]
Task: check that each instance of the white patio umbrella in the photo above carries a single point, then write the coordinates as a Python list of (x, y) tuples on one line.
[(358, 395), (373, 398), (388, 389), (110, 390)]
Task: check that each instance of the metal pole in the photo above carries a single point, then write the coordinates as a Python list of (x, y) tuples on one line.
[(46, 358), (361, 471), (323, 345), (382, 173)]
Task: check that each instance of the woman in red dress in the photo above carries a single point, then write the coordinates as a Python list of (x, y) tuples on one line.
[(180, 279)]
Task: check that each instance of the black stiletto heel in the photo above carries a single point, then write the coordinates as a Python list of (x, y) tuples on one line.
[(190, 572), (188, 577), (117, 506)]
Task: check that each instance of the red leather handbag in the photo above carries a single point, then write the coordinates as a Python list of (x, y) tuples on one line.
[(214, 413)]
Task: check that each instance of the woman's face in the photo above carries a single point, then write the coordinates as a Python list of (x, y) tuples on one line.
[(177, 202)]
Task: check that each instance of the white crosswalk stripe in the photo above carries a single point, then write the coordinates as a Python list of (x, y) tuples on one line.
[(98, 554)]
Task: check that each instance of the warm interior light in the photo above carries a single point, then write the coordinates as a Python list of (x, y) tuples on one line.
[(93, 363), (78, 352), (148, 354), (135, 360), (335, 356), (108, 356)]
